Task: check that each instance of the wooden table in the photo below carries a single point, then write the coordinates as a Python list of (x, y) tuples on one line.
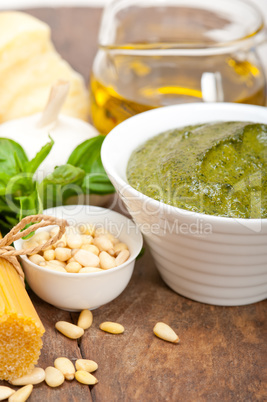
[(222, 354)]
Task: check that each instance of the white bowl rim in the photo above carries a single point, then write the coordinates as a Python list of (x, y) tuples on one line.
[(160, 112), (131, 258)]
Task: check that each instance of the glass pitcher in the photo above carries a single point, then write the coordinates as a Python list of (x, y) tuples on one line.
[(155, 53)]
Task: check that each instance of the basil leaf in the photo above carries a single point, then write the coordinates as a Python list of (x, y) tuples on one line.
[(20, 184), (21, 195), (32, 165), (97, 183), (7, 222), (30, 204), (3, 205), (7, 217), (56, 184), (87, 157), (19, 163), (4, 180), (64, 174), (85, 154), (12, 156)]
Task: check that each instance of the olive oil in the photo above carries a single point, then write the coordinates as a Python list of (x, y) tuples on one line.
[(133, 84)]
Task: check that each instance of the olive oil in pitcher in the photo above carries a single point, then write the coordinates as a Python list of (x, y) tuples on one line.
[(141, 84), (154, 54)]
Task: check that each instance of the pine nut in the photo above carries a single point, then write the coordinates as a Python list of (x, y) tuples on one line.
[(54, 231), (86, 365), (90, 247), (111, 252), (82, 249), (112, 238), (86, 239), (70, 330), (87, 247), (66, 367), (53, 267), (100, 232), (122, 257), (36, 258), (57, 263), (63, 253), (70, 260), (87, 229), (86, 258), (70, 230), (53, 377), (85, 378), (165, 332), (41, 242), (106, 260), (35, 377), (5, 392), (47, 248), (119, 247), (103, 243), (90, 270), (41, 236), (22, 394), (112, 327), (49, 255), (29, 244), (61, 242), (85, 319), (73, 267), (74, 240)]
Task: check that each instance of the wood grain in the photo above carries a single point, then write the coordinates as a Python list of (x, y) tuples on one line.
[(222, 353), (221, 356), (57, 345), (74, 34)]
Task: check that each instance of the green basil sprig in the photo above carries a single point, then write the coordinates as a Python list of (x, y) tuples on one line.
[(22, 195)]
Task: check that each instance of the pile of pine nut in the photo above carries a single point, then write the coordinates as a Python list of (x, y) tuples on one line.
[(82, 249), (63, 368)]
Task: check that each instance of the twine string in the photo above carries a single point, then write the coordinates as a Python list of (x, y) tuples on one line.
[(39, 221)]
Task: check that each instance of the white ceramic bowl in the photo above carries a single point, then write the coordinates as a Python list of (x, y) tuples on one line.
[(75, 292), (211, 259)]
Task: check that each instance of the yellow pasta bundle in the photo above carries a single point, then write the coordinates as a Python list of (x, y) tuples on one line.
[(20, 327)]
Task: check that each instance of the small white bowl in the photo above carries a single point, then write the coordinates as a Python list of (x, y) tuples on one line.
[(75, 292), (224, 266)]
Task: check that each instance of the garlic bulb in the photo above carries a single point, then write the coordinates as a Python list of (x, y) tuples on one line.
[(67, 133)]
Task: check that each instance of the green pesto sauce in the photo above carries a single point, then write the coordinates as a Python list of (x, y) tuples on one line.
[(216, 169)]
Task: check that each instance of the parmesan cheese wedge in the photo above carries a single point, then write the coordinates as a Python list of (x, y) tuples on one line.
[(30, 65)]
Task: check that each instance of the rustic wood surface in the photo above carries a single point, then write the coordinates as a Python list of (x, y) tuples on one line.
[(222, 354)]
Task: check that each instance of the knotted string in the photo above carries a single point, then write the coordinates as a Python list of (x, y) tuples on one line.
[(17, 232)]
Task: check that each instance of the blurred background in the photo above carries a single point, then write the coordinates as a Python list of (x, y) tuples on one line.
[(22, 4), (74, 32)]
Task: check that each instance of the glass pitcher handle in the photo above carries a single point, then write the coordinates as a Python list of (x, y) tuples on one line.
[(261, 38), (211, 87)]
